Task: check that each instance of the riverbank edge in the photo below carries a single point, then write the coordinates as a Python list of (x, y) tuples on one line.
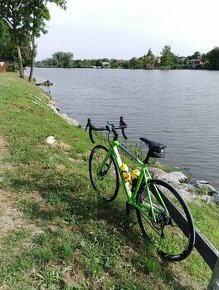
[(53, 106)]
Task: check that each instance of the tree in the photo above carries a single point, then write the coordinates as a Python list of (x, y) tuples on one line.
[(136, 63), (63, 59), (12, 12), (125, 64), (99, 63), (149, 59), (37, 13), (26, 20), (60, 59), (6, 48), (114, 63), (197, 55), (212, 58), (167, 57)]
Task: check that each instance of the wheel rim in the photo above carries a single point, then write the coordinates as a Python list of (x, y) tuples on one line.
[(170, 240), (104, 180)]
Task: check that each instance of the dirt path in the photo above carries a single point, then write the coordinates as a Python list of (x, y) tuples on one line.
[(10, 217)]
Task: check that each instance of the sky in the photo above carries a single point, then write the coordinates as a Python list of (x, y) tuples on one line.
[(123, 29)]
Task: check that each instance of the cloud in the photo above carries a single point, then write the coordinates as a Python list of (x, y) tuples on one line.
[(121, 28)]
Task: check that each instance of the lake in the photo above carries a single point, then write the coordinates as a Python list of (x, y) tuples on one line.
[(179, 108)]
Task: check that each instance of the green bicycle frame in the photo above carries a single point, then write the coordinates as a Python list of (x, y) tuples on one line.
[(148, 210)]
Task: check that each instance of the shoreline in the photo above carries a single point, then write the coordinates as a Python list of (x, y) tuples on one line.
[(52, 105)]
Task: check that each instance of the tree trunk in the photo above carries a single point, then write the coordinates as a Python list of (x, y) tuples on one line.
[(33, 54), (20, 62)]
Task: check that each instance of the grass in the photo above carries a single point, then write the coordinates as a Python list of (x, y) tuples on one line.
[(69, 238)]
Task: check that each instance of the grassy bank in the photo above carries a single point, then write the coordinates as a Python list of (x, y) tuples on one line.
[(54, 231)]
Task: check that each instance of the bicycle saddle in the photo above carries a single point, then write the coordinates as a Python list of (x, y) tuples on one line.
[(155, 149)]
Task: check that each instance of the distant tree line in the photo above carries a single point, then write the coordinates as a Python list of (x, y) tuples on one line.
[(166, 60)]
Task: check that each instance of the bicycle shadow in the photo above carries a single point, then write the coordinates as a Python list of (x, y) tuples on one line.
[(127, 223), (83, 209)]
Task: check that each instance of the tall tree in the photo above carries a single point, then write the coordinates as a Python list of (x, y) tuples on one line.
[(12, 12), (26, 20), (63, 59), (212, 58), (37, 13), (6, 47), (197, 55), (167, 57), (149, 59)]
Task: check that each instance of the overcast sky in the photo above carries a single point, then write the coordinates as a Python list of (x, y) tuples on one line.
[(122, 29)]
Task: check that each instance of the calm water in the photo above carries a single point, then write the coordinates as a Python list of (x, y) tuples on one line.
[(177, 108)]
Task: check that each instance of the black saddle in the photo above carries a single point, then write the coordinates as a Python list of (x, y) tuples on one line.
[(156, 149)]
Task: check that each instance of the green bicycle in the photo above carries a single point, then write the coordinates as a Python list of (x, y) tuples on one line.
[(162, 214)]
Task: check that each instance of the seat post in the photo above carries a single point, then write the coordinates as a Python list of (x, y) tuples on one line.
[(147, 157)]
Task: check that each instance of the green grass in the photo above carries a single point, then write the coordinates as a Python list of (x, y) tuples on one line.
[(74, 240)]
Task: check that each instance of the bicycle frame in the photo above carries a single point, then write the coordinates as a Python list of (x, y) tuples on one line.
[(148, 210)]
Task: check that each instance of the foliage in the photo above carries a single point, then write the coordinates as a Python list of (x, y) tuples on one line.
[(212, 58), (63, 59), (12, 12), (136, 63), (26, 20), (168, 60), (6, 48), (99, 63), (59, 59), (167, 57), (149, 60)]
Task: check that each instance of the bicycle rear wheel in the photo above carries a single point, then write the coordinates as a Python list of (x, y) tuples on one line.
[(173, 232), (104, 175)]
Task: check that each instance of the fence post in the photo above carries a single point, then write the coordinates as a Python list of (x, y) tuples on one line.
[(214, 282)]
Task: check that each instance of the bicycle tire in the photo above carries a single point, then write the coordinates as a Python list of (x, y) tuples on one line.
[(106, 182), (173, 243)]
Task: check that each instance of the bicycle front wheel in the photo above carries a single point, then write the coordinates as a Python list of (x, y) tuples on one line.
[(173, 230), (104, 173)]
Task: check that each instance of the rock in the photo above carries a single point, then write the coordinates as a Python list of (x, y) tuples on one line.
[(175, 177), (188, 187), (47, 83), (207, 198), (69, 120), (216, 197), (51, 141), (187, 196), (210, 188), (155, 172), (179, 175), (203, 184)]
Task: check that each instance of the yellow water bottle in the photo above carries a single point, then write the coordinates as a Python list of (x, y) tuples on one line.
[(125, 173)]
